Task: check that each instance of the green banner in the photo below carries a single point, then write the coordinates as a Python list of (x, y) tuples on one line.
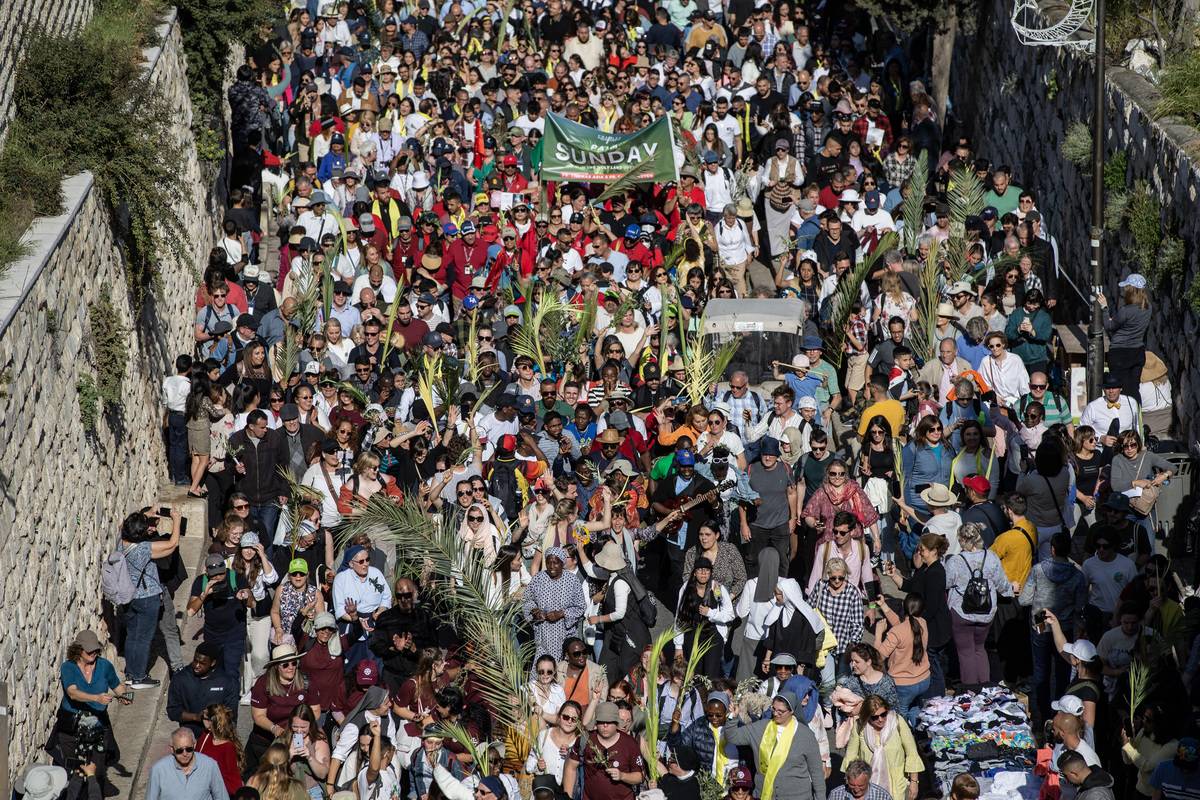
[(574, 152)]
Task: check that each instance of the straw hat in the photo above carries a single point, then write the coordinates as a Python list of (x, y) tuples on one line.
[(1154, 370), (610, 557), (938, 496), (947, 310)]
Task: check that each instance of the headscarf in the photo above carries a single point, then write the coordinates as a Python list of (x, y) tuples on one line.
[(768, 575), (349, 555), (803, 687), (556, 552), (485, 539), (372, 698), (495, 786), (793, 601), (795, 442)]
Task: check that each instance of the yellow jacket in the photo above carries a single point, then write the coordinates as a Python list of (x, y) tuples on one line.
[(900, 750)]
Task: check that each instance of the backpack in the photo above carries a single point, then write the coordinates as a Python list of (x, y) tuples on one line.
[(647, 606), (758, 401), (505, 484), (977, 597), (115, 582)]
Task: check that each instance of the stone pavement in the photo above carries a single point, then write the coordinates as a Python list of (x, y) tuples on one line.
[(142, 728)]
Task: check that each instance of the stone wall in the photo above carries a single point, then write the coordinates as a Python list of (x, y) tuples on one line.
[(1019, 101), (64, 493), (18, 19)]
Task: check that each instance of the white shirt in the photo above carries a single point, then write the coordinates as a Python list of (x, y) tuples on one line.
[(387, 288), (728, 129), (1008, 378), (1155, 396), (880, 220), (717, 191), (733, 241), (316, 227), (347, 740), (175, 391), (370, 593), (1107, 579), (720, 616), (1099, 416), (313, 479)]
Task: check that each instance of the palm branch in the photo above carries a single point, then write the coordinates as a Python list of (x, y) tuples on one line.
[(705, 365), (543, 323), (924, 332), (583, 327), (426, 381), (965, 196), (653, 704), (848, 290), (424, 543), (912, 209), (699, 648), (478, 751), (388, 328)]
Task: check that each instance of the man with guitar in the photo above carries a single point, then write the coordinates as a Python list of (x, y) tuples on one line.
[(697, 498)]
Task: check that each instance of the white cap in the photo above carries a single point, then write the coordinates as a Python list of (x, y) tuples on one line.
[(801, 361), (420, 180), (1081, 649), (1068, 704), (722, 408), (808, 402), (850, 196), (809, 255)]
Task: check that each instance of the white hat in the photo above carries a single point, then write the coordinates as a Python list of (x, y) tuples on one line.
[(1081, 649), (43, 782), (960, 287), (250, 272), (947, 310), (850, 196), (809, 255), (937, 495), (420, 180), (722, 408), (807, 402), (1068, 704), (801, 360)]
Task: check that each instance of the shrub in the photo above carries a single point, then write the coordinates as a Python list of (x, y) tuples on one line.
[(89, 401), (109, 348), (1077, 146), (83, 103)]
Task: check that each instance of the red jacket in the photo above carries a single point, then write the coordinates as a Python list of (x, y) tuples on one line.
[(462, 263), (405, 257)]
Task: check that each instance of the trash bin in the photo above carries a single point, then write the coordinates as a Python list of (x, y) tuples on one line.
[(1175, 505)]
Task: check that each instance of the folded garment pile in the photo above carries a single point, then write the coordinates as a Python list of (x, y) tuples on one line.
[(985, 733)]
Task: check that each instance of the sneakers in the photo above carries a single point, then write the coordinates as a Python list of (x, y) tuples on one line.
[(143, 683)]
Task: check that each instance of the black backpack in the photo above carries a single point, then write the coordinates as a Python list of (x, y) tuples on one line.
[(505, 486), (647, 606), (977, 597)]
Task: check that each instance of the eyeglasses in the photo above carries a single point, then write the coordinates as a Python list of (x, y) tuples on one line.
[(836, 579), (879, 716), (293, 663), (92, 652), (361, 561), (220, 294), (464, 493), (780, 710), (545, 672), (565, 718), (1035, 386), (841, 531), (276, 399), (1129, 446), (474, 519), (181, 750), (240, 506)]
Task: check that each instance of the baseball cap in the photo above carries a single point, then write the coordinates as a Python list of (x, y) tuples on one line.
[(1068, 704), (977, 484), (525, 405), (740, 778), (685, 458), (632, 232), (1081, 649), (988, 214), (289, 411), (214, 564), (872, 200), (813, 343), (508, 443), (367, 674), (512, 311), (607, 712), (807, 402), (297, 565), (1135, 279), (467, 227), (783, 660)]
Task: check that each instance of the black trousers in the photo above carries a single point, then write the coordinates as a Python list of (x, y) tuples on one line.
[(1126, 363)]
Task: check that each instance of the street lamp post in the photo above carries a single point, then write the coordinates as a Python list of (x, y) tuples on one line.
[(1095, 355)]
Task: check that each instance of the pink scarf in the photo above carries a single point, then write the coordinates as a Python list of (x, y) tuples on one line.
[(875, 741)]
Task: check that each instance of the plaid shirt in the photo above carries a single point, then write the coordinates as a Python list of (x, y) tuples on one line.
[(874, 792), (897, 172), (858, 329), (843, 612), (751, 401), (418, 42)]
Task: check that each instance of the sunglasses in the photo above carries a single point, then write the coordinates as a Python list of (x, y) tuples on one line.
[(841, 531), (879, 716), (565, 718), (298, 574), (361, 561), (474, 519), (575, 653), (464, 492), (837, 579), (240, 506), (837, 473), (181, 750), (1038, 386), (545, 672)]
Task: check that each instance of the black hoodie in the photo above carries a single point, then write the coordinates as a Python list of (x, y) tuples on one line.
[(1097, 786)]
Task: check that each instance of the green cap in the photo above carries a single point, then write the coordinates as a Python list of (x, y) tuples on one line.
[(298, 565)]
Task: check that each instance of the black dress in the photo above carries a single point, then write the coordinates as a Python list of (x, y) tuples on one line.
[(929, 581)]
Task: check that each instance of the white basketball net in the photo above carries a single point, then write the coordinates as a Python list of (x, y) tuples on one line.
[(1061, 33)]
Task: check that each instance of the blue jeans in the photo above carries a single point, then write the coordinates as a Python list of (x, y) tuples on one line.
[(268, 515), (1051, 675), (233, 650), (141, 620), (907, 695), (938, 656)]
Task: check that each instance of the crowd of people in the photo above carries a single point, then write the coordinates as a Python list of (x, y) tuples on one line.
[(741, 583)]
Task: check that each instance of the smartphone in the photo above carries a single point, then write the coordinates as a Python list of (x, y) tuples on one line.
[(165, 513), (297, 740), (1040, 617)]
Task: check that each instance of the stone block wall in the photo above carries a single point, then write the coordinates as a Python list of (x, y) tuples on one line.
[(63, 493), (18, 19), (1019, 101)]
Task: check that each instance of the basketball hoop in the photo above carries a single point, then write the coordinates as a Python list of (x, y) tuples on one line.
[(1061, 33)]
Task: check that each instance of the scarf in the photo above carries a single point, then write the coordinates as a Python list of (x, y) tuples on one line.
[(875, 741), (772, 752), (720, 760)]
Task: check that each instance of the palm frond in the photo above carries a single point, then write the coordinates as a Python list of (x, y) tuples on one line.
[(478, 751), (848, 290), (287, 355), (426, 381), (912, 209), (352, 390), (653, 704), (389, 335), (924, 332), (467, 601), (699, 648), (543, 322), (964, 195)]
